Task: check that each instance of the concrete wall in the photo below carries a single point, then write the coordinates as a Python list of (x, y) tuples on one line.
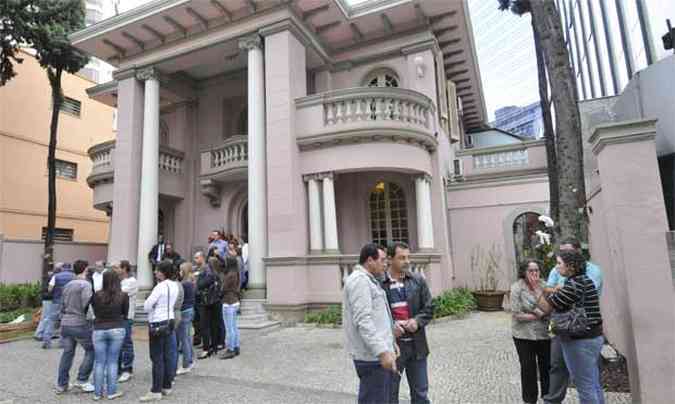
[(20, 260), (25, 114)]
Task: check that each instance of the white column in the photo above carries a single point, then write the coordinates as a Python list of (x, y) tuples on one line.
[(257, 189), (149, 204), (315, 233), (425, 235), (330, 215)]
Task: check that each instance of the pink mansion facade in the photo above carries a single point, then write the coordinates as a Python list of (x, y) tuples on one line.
[(310, 127)]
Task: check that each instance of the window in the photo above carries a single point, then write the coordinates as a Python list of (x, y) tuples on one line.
[(59, 234), (163, 133), (388, 214), (71, 106), (382, 78), (242, 124), (66, 169)]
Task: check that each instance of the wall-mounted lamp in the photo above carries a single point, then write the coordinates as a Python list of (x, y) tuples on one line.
[(419, 66)]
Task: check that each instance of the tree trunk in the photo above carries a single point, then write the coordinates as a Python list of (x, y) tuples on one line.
[(549, 134), (572, 191), (57, 100)]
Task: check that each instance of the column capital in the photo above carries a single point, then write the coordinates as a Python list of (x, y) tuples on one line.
[(318, 176), (147, 73), (250, 42), (423, 177)]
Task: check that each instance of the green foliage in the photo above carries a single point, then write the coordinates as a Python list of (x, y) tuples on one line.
[(8, 316), (13, 297), (453, 302), (329, 315)]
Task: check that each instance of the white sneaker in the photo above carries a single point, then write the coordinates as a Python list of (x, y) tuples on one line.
[(116, 395), (151, 397), (183, 371), (85, 387), (124, 377), (166, 392)]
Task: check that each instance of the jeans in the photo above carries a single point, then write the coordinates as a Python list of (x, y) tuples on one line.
[(39, 332), (160, 347), (173, 354), (416, 373), (183, 335), (559, 377), (126, 362), (211, 320), (582, 356), (70, 337), (375, 382), (53, 316), (107, 345), (231, 327), (533, 355)]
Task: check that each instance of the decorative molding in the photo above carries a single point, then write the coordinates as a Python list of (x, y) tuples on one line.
[(371, 135), (250, 42), (123, 74), (622, 132), (28, 212), (515, 177), (424, 177), (106, 177), (147, 73), (211, 190), (430, 44), (503, 148), (41, 143)]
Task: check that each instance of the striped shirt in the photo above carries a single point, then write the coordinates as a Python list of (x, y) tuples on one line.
[(571, 294)]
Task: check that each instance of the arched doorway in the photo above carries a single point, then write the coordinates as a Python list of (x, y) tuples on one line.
[(388, 215), (524, 235)]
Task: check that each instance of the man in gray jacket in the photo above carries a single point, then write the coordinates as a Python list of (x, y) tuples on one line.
[(368, 327)]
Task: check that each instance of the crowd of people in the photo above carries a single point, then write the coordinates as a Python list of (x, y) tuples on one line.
[(94, 307), (556, 326)]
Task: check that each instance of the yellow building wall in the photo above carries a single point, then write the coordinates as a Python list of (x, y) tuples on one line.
[(25, 114)]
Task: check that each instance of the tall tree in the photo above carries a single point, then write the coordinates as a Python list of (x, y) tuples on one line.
[(520, 7), (573, 219), (44, 26)]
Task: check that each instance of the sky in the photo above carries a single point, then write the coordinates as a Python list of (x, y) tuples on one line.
[(506, 57)]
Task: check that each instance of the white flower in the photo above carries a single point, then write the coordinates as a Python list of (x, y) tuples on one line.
[(546, 220), (544, 238)]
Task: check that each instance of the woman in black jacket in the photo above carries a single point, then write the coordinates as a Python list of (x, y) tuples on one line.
[(209, 289)]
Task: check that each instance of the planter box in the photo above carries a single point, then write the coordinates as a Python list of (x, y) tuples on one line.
[(489, 300)]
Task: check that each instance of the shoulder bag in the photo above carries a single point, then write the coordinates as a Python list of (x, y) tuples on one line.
[(572, 323), (163, 328)]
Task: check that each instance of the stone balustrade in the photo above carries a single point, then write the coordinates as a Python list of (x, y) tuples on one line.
[(230, 155), (419, 263), (171, 160), (503, 159), (362, 114), (101, 156), (525, 157)]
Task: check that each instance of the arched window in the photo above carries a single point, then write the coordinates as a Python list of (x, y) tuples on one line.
[(163, 133), (382, 78), (388, 214), (524, 237), (242, 123)]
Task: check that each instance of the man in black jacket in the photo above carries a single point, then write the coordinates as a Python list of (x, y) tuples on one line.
[(410, 302)]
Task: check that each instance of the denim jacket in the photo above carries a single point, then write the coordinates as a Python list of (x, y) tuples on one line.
[(366, 318)]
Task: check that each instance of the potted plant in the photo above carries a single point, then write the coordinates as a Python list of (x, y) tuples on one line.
[(486, 269)]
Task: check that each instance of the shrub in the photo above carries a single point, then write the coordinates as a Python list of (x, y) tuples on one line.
[(13, 297), (453, 302), (6, 317), (329, 315)]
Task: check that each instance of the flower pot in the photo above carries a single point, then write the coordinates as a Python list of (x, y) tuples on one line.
[(489, 300)]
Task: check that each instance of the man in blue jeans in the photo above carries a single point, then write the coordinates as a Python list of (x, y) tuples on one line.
[(410, 302), (76, 329), (368, 327), (63, 274), (559, 377), (130, 287)]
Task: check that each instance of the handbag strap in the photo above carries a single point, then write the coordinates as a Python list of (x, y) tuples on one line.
[(168, 302), (583, 295)]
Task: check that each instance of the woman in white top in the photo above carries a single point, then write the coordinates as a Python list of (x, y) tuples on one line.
[(160, 308)]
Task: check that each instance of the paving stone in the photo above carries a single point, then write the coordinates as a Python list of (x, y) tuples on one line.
[(473, 361)]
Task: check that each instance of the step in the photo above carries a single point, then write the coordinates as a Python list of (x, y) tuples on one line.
[(259, 325), (253, 317)]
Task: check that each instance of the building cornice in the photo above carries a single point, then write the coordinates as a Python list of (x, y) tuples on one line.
[(411, 137), (508, 178), (301, 33), (622, 132), (502, 148)]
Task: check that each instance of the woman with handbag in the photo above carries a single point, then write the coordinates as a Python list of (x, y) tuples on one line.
[(577, 320), (160, 308), (209, 288), (530, 331), (231, 289)]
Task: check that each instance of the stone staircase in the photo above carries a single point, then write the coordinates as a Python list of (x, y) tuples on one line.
[(253, 315)]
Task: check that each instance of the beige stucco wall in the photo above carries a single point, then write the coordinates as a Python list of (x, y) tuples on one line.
[(25, 114)]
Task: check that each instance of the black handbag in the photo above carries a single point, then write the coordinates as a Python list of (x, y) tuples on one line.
[(163, 328), (572, 323)]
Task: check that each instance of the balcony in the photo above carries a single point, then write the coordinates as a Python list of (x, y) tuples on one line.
[(102, 175), (526, 158), (365, 114), (226, 161)]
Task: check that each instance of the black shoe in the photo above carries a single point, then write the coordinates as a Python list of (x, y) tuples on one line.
[(228, 354), (236, 351)]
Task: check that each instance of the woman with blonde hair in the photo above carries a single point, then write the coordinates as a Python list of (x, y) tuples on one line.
[(187, 314)]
